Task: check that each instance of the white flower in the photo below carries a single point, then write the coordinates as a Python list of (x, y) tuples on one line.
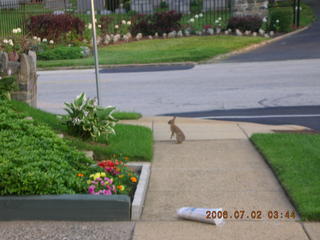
[(5, 41), (99, 26), (219, 18), (216, 21), (10, 42), (116, 26), (265, 19), (35, 38), (51, 42), (123, 22), (44, 40), (89, 26), (191, 20), (39, 39), (14, 31), (129, 23), (19, 30), (200, 15), (277, 21), (196, 16)]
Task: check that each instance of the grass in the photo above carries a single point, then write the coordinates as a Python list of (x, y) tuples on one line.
[(295, 159), (134, 142), (307, 15), (162, 50), (127, 115)]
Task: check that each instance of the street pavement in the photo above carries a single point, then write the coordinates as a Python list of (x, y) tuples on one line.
[(204, 87), (308, 116)]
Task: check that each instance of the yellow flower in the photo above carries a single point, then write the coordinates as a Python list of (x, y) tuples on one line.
[(121, 176), (97, 175), (126, 158), (89, 181), (92, 176), (121, 187), (133, 179), (103, 174)]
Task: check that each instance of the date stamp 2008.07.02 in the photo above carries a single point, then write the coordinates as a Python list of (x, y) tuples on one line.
[(252, 215)]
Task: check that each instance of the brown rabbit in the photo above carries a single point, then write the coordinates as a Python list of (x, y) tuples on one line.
[(177, 131)]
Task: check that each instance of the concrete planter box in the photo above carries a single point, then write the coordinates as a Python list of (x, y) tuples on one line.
[(77, 207)]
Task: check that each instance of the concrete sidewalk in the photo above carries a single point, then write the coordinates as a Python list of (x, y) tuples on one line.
[(217, 167)]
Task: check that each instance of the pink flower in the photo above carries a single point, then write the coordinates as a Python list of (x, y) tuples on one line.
[(91, 189)]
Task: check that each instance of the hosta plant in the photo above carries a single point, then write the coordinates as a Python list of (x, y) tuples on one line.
[(88, 120)]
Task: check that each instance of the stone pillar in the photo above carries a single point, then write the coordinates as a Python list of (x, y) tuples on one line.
[(250, 7), (26, 79)]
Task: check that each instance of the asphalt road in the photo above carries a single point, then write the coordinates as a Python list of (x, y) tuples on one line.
[(304, 45), (308, 116), (204, 87)]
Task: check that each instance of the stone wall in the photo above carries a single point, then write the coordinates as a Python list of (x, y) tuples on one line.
[(251, 7), (26, 73)]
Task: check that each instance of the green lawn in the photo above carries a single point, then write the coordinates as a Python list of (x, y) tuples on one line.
[(135, 142), (295, 159), (161, 50)]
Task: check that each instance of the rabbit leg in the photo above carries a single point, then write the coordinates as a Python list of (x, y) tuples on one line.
[(172, 133)]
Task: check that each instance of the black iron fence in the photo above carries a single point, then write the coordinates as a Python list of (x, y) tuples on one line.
[(14, 13)]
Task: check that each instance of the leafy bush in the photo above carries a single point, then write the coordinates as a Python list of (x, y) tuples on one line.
[(34, 161), (54, 27), (160, 22), (196, 6), (86, 119), (287, 3), (106, 22), (142, 24), (7, 85), (165, 22), (243, 23), (281, 19), (61, 52)]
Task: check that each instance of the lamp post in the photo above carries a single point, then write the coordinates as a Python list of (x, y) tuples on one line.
[(95, 48)]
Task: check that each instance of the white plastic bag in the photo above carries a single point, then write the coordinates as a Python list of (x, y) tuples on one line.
[(200, 214)]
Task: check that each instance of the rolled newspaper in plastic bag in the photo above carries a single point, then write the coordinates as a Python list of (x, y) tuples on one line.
[(201, 215)]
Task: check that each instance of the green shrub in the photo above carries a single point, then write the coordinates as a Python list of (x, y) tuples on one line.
[(34, 161), (7, 85), (60, 53), (281, 19), (86, 119)]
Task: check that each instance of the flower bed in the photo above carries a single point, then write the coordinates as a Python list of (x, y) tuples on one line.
[(38, 169)]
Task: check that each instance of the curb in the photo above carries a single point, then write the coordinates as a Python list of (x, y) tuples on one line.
[(141, 190), (119, 66), (252, 47)]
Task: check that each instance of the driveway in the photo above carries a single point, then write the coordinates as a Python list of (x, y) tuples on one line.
[(304, 45)]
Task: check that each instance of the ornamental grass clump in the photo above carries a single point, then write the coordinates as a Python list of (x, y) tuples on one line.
[(87, 120)]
